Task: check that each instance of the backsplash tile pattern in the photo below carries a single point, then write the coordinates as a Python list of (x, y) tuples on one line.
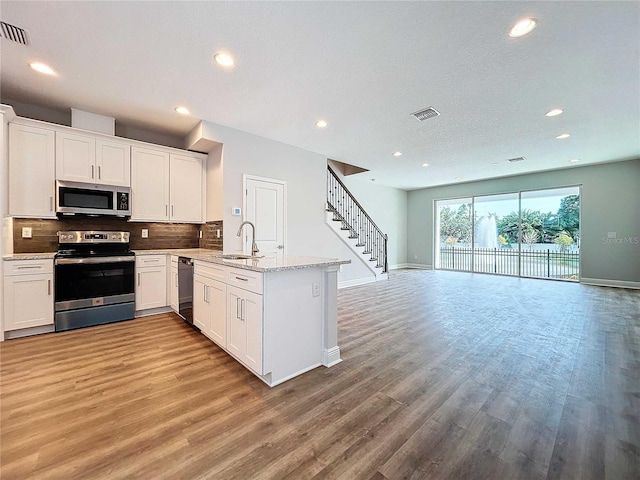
[(161, 235), (210, 235)]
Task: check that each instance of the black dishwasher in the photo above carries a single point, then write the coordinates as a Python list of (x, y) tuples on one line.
[(185, 289)]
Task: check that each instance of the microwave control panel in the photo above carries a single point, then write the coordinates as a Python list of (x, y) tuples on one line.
[(123, 201)]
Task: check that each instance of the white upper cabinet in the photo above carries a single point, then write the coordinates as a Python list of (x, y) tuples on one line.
[(89, 159), (186, 188), (166, 186), (113, 163), (149, 184), (31, 172)]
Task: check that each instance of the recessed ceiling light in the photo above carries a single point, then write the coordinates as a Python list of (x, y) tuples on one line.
[(425, 164), (574, 160), (42, 68), (563, 136), (458, 178), (321, 123), (523, 27), (554, 112), (397, 154), (223, 59), (183, 110)]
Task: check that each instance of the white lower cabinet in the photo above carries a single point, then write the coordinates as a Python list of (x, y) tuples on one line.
[(151, 281), (210, 302), (244, 323), (28, 294)]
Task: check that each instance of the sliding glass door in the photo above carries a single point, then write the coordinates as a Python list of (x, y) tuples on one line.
[(528, 233)]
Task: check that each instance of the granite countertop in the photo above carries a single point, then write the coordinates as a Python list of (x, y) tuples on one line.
[(30, 256), (268, 263)]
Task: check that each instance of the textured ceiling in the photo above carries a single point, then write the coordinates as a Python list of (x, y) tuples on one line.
[(362, 66)]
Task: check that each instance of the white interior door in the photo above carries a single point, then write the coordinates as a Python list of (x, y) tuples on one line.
[(265, 207)]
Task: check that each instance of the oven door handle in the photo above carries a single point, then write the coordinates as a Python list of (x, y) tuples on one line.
[(72, 261)]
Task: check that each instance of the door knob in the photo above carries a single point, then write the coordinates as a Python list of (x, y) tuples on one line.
[(280, 247)]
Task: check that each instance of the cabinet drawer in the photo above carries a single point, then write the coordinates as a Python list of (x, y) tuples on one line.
[(245, 279), (150, 260), (210, 270), (27, 267)]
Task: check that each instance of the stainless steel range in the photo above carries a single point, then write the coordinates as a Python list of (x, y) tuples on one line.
[(94, 279)]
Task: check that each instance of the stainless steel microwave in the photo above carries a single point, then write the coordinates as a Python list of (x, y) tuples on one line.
[(92, 199)]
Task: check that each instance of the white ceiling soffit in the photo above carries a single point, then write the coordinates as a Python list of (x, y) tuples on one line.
[(364, 67)]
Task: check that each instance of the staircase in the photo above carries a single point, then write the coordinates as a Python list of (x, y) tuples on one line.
[(355, 226)]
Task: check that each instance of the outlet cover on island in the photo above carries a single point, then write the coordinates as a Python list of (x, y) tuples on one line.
[(145, 233), (27, 232)]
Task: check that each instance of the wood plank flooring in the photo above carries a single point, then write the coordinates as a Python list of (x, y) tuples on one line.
[(445, 375)]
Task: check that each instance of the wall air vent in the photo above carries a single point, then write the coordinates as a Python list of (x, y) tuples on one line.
[(517, 159), (13, 33), (426, 113)]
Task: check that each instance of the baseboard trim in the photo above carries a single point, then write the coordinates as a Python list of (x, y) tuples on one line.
[(331, 356), (600, 282), (356, 281), (398, 266), (152, 311), (419, 266)]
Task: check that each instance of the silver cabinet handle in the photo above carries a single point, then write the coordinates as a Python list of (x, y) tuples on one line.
[(22, 267), (172, 210), (243, 279), (48, 287), (138, 279), (204, 293), (99, 172), (238, 309), (166, 210), (92, 168), (243, 310)]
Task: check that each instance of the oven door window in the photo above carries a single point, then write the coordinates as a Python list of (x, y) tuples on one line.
[(80, 281), (82, 198)]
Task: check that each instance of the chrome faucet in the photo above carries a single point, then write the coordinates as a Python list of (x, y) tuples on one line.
[(254, 247)]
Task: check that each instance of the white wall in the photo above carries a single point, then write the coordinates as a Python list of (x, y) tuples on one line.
[(386, 206), (305, 173), (610, 202)]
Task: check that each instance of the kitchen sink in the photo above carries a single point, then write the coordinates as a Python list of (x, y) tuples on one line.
[(233, 256)]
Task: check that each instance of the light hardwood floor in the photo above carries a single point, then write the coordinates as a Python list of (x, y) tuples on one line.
[(445, 376)]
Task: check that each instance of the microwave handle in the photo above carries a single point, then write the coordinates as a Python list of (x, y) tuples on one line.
[(51, 204)]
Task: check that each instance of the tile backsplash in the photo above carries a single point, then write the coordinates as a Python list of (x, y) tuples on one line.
[(161, 235), (210, 237)]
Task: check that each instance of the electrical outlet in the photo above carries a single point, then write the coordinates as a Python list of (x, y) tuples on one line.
[(218, 233), (200, 234), (145, 233), (315, 289), (27, 232)]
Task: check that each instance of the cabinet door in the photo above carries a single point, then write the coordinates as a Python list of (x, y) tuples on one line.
[(244, 324), (186, 188), (113, 163), (252, 314), (173, 287), (149, 184), (200, 305), (216, 299), (75, 157), (151, 287), (28, 301), (31, 172)]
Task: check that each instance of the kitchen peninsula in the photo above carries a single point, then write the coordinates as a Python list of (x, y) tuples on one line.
[(277, 315)]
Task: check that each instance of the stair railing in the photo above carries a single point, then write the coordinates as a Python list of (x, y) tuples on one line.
[(346, 209)]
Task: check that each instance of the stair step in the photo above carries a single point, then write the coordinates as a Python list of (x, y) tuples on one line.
[(351, 236), (345, 228), (359, 244), (373, 259), (366, 252)]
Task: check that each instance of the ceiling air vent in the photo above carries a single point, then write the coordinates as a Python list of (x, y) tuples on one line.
[(15, 34), (426, 113), (517, 159)]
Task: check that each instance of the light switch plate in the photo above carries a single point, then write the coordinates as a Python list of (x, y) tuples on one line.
[(145, 233), (315, 289), (27, 232), (236, 211)]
